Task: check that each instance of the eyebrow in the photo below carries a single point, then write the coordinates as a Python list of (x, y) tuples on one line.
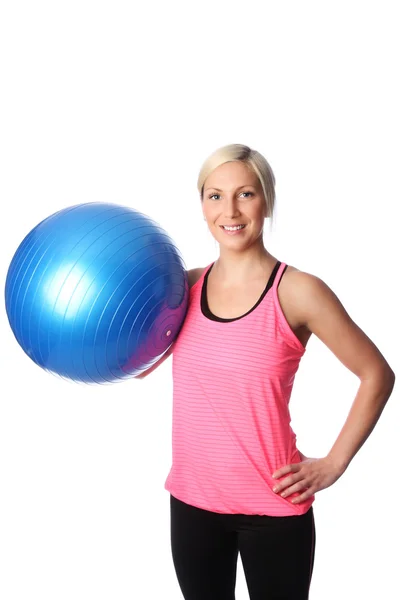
[(239, 188)]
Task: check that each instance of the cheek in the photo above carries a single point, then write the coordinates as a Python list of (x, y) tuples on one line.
[(210, 214), (258, 215)]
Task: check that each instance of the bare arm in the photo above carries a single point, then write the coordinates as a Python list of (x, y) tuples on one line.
[(158, 363), (193, 276), (323, 314)]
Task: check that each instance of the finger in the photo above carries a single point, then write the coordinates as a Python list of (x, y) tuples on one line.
[(302, 497), (283, 471), (287, 482), (298, 487)]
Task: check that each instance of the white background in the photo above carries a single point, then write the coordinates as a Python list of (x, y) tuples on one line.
[(122, 101)]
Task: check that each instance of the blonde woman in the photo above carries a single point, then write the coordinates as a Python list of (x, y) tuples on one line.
[(238, 483)]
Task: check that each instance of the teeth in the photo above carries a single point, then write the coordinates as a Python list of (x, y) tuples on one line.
[(233, 228)]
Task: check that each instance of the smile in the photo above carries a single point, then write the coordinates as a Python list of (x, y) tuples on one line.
[(235, 228)]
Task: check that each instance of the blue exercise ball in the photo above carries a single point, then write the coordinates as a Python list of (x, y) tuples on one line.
[(96, 293)]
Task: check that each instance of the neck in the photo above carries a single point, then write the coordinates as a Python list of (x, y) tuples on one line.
[(244, 265)]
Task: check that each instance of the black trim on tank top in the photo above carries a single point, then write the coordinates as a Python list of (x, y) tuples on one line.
[(204, 304)]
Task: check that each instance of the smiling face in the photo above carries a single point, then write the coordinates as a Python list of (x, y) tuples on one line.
[(233, 196)]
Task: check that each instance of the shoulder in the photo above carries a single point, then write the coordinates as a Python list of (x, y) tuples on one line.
[(194, 275), (319, 309), (308, 296)]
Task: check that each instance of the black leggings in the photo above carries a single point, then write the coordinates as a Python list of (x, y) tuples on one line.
[(277, 553)]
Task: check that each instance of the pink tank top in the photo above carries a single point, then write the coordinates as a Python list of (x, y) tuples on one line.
[(232, 382)]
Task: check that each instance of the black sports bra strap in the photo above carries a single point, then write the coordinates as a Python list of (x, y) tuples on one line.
[(280, 278), (203, 297)]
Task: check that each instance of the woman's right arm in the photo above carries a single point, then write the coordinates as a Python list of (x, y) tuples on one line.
[(193, 276), (156, 364)]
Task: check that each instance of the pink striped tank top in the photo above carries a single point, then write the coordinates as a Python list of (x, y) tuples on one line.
[(232, 382)]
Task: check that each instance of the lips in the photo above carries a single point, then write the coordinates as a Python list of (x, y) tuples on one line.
[(233, 232), (241, 225)]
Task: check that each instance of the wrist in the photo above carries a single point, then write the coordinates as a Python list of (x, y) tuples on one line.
[(338, 463)]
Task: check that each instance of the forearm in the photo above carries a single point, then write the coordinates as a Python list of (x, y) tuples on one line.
[(365, 411), (156, 364)]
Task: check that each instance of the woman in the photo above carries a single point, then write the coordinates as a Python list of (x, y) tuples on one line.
[(238, 483)]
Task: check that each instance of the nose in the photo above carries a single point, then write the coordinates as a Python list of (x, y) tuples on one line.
[(230, 207)]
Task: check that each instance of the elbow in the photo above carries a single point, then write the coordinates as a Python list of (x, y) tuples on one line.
[(382, 378), (392, 377), (390, 374), (388, 378)]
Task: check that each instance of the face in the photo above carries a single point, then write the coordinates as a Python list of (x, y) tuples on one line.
[(233, 196)]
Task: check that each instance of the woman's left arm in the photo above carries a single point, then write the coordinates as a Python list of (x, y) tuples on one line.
[(323, 314)]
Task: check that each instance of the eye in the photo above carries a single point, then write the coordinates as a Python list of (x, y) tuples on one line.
[(213, 196), (248, 194)]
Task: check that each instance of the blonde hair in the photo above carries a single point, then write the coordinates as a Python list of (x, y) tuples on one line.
[(256, 161)]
